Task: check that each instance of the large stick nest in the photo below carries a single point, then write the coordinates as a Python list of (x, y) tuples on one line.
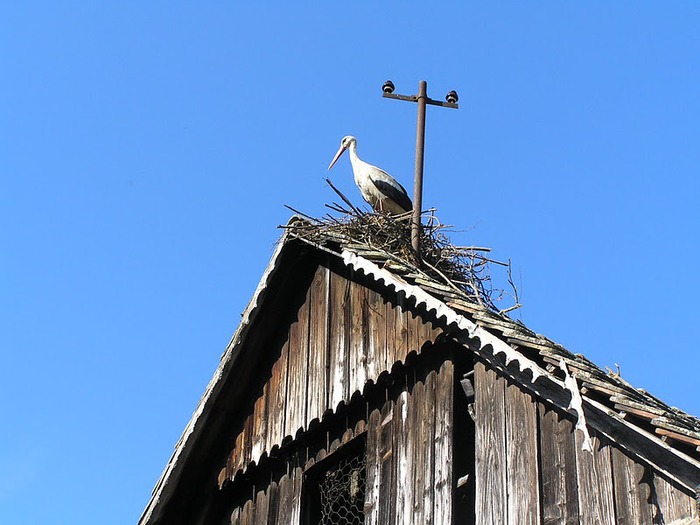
[(466, 270)]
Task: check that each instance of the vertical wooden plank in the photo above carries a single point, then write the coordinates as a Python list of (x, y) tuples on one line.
[(373, 477), (240, 446), (376, 352), (417, 410), (261, 508), (390, 344), (426, 332), (260, 424), (298, 371), (235, 518), (297, 478), (277, 395), (236, 456), (413, 327), (632, 492), (358, 331), (400, 347), (402, 454), (247, 441), (285, 496), (272, 503), (673, 503), (427, 443), (557, 469), (368, 326), (490, 440), (338, 340), (433, 332), (521, 458), (386, 514), (444, 413), (318, 344), (594, 473), (248, 513)]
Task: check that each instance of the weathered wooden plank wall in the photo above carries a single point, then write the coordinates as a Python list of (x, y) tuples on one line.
[(490, 439), (344, 334), (531, 469), (338, 340), (318, 347), (408, 462), (559, 492), (521, 457), (297, 371), (278, 503), (670, 503), (595, 483), (632, 490), (443, 473)]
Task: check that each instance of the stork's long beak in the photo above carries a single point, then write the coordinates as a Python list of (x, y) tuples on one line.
[(337, 156)]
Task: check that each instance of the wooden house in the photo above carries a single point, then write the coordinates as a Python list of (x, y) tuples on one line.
[(358, 389)]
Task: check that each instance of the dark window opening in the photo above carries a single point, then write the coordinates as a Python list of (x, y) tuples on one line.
[(334, 489)]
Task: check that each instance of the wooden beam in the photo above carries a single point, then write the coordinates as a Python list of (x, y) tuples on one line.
[(677, 436)]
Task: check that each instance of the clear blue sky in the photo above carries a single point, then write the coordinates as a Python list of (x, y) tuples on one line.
[(147, 150)]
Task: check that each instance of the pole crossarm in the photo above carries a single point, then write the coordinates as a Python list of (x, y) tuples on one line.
[(414, 98), (422, 100)]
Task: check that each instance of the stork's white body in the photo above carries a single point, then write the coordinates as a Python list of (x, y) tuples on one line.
[(378, 188)]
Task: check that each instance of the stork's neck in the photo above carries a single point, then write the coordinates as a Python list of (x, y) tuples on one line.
[(354, 159)]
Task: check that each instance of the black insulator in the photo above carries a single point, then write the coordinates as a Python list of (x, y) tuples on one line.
[(388, 87), (452, 97)]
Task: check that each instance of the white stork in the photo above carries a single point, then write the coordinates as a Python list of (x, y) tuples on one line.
[(378, 188)]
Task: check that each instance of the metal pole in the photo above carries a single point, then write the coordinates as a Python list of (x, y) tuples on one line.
[(418, 180), (422, 100)]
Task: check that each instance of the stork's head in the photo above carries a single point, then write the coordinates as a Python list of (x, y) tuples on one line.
[(345, 143)]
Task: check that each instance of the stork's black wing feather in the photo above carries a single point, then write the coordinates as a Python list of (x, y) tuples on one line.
[(398, 195)]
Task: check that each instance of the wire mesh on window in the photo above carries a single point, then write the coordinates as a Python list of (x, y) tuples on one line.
[(342, 492)]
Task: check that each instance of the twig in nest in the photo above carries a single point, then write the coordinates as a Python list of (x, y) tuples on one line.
[(345, 199), (510, 309), (312, 219), (335, 207)]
